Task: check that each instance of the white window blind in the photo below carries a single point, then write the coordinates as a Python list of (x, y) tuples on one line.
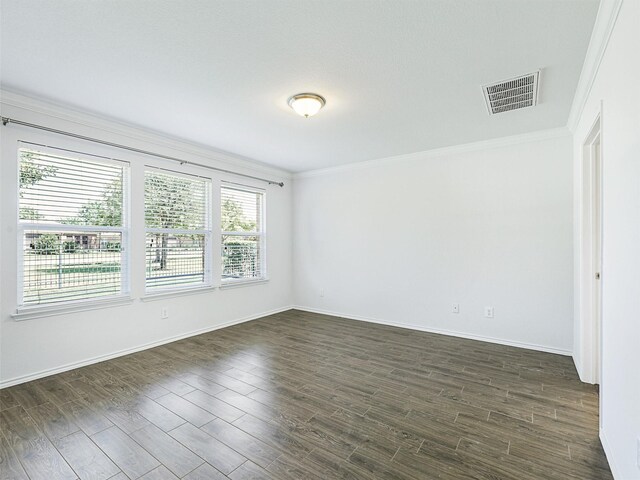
[(72, 225), (178, 231), (243, 239)]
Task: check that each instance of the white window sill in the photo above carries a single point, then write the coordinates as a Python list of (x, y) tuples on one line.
[(162, 295), (39, 311), (242, 283)]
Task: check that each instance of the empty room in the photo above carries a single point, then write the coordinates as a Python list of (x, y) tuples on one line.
[(320, 239)]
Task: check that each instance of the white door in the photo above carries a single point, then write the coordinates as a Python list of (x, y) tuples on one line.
[(591, 275), (596, 221)]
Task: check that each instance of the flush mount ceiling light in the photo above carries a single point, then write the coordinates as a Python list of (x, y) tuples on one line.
[(306, 104)]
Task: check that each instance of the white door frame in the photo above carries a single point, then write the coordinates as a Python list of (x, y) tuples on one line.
[(591, 253)]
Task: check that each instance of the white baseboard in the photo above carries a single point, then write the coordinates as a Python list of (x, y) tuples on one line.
[(127, 351), (441, 331), (101, 358), (585, 375), (609, 453)]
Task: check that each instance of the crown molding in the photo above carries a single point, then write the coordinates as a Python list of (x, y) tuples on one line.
[(605, 22), (440, 152), (28, 105)]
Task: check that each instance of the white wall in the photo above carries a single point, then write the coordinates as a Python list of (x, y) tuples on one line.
[(616, 89), (395, 241), (399, 241), (34, 347)]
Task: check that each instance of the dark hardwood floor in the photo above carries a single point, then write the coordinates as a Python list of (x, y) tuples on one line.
[(305, 396)]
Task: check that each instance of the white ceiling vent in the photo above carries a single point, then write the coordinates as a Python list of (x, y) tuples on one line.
[(518, 92)]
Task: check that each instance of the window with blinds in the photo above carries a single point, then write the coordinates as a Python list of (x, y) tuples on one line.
[(178, 231), (243, 251), (72, 225)]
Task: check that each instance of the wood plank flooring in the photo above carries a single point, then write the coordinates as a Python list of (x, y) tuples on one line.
[(305, 396)]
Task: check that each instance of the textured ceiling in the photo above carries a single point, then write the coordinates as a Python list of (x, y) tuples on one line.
[(399, 76)]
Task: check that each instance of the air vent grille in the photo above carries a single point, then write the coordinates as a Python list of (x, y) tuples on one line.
[(512, 94)]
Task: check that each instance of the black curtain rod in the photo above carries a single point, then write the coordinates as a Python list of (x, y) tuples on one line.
[(6, 120)]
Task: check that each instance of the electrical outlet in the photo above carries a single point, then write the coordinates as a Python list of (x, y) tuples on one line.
[(488, 312), (455, 308), (164, 312)]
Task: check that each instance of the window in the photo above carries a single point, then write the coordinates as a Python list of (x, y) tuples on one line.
[(72, 225), (178, 232), (243, 255)]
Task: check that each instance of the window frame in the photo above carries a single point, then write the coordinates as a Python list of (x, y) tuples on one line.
[(133, 229), (261, 234), (207, 232), (51, 307)]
